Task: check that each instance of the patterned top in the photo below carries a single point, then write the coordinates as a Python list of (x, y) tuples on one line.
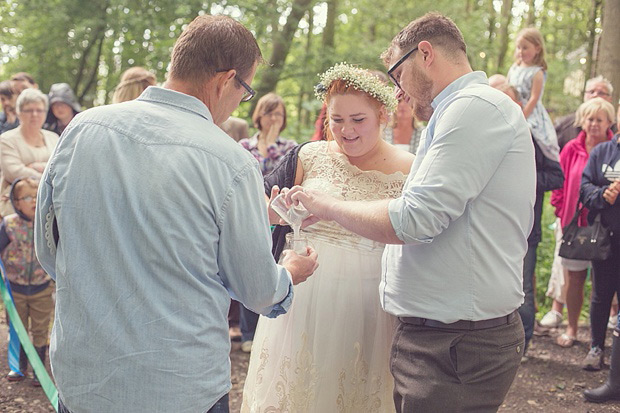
[(17, 246), (331, 172), (275, 152)]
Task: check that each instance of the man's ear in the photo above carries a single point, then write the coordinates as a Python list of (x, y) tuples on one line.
[(223, 81), (427, 51)]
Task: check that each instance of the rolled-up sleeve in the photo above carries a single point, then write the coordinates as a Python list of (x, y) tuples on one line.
[(456, 167), (246, 265)]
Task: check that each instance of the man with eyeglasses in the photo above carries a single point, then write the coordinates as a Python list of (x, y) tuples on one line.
[(150, 217), (452, 269), (565, 126)]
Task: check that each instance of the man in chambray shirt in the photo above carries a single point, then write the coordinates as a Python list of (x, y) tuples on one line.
[(149, 218), (453, 274)]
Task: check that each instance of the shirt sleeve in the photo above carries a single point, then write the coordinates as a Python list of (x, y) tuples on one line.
[(591, 193), (246, 265), (457, 166), (45, 217)]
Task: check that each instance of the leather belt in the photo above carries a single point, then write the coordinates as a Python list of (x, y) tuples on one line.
[(461, 324)]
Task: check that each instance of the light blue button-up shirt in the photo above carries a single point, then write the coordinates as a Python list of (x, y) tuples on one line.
[(465, 212), (161, 216)]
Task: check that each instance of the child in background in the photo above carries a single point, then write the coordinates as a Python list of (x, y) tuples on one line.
[(32, 288), (528, 75)]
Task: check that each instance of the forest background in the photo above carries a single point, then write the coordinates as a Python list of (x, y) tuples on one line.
[(88, 44)]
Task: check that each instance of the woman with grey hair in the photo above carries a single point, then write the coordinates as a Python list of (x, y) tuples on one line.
[(24, 151)]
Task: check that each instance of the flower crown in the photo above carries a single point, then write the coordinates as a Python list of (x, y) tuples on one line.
[(359, 79)]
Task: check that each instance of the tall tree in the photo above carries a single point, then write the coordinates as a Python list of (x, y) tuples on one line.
[(503, 33), (590, 67), (609, 63), (282, 40)]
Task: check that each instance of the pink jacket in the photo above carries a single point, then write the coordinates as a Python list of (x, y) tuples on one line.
[(573, 160)]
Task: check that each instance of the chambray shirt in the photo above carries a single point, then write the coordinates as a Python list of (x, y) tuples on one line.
[(160, 216), (466, 210)]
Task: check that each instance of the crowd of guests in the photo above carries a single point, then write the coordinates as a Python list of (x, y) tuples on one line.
[(578, 159), (30, 125)]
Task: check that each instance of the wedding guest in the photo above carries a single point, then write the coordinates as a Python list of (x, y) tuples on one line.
[(452, 269), (268, 147), (344, 368), (25, 150), (8, 97), (133, 82), (403, 131), (149, 218), (236, 128), (63, 107), (600, 186), (595, 117)]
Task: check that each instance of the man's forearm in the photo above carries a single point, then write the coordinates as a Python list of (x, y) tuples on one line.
[(368, 219)]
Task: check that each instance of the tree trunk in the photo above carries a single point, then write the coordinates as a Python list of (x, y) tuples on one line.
[(609, 63), (329, 33), (531, 14), (281, 45), (503, 33), (591, 58), (490, 41)]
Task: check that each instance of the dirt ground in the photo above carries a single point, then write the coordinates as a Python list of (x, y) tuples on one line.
[(550, 381)]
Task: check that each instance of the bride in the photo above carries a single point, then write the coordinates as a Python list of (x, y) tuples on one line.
[(331, 351)]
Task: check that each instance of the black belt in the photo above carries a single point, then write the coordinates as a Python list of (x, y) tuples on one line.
[(461, 324)]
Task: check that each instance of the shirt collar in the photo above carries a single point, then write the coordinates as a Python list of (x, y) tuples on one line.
[(472, 78), (172, 97)]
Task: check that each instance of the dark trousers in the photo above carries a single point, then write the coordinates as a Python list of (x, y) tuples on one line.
[(527, 311), (605, 283), (221, 406), (445, 370), (247, 323)]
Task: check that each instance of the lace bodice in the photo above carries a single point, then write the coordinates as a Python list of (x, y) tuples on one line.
[(328, 171)]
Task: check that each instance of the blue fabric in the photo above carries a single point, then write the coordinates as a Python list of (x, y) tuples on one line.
[(161, 218), (466, 210)]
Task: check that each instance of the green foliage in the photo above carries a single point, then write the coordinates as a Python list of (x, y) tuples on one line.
[(89, 44)]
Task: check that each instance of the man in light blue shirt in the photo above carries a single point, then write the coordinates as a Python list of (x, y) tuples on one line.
[(149, 217), (453, 274)]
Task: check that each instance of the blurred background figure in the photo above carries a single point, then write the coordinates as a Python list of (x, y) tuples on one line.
[(497, 80), (63, 107), (565, 126), (595, 116), (23, 80), (133, 82), (268, 147), (236, 128), (8, 97), (403, 130), (25, 150)]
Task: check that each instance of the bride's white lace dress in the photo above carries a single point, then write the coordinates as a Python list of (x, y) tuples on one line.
[(331, 351)]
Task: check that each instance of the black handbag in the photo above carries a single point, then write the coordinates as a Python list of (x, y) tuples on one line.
[(585, 243)]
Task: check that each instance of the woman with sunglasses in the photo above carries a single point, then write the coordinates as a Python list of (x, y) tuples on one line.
[(24, 151)]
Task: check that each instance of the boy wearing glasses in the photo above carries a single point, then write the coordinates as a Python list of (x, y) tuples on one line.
[(31, 286)]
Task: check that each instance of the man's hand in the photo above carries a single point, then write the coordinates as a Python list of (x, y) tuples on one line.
[(319, 204), (300, 267)]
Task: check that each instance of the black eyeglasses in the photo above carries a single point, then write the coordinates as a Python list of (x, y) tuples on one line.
[(395, 66), (249, 92)]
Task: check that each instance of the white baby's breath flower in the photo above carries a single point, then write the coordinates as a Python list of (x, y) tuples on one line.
[(359, 79)]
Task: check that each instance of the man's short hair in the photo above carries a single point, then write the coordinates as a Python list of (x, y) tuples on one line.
[(210, 44), (23, 77), (600, 79), (6, 89), (437, 29)]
